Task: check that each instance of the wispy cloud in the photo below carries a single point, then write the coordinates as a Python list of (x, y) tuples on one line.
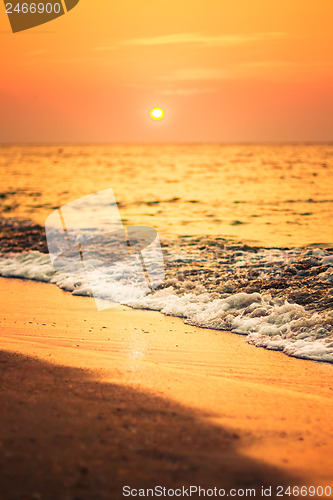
[(196, 39), (239, 70), (184, 91), (284, 64), (193, 74), (38, 52)]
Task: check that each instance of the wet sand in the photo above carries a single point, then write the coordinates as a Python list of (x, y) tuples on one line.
[(92, 401)]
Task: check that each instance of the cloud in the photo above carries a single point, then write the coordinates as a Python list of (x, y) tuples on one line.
[(196, 39), (193, 74), (284, 64), (236, 71), (38, 52), (185, 91)]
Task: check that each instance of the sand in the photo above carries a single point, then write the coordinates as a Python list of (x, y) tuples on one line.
[(92, 401)]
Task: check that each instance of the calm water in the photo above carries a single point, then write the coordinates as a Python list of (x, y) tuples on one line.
[(277, 195)]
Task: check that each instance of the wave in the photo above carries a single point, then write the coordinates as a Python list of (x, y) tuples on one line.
[(264, 313)]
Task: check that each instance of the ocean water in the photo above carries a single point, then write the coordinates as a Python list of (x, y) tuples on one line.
[(265, 195), (246, 232)]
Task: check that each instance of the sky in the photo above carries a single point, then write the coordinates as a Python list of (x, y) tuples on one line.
[(222, 70)]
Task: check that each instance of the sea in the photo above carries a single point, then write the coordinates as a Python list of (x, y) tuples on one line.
[(244, 232)]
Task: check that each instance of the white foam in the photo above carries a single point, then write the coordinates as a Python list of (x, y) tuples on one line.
[(328, 261), (270, 323)]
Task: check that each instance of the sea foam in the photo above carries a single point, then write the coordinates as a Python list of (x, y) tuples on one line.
[(270, 322)]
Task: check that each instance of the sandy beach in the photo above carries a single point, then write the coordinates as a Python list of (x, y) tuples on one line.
[(93, 401), (166, 250)]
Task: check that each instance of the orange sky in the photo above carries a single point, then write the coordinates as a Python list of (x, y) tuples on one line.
[(224, 70)]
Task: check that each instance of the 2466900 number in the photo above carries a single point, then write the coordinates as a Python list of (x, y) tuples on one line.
[(33, 8), (304, 491)]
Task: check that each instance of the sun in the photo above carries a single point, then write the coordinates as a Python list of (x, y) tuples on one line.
[(157, 114)]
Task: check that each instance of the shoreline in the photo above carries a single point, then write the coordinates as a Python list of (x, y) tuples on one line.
[(272, 411), (281, 300)]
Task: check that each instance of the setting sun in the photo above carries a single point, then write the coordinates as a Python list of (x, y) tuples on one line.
[(157, 114)]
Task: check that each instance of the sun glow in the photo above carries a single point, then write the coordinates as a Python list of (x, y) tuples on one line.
[(157, 114)]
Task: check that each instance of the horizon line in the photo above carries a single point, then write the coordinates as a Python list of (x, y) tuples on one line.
[(153, 143)]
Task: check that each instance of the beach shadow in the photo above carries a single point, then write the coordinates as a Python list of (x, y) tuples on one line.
[(66, 436)]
